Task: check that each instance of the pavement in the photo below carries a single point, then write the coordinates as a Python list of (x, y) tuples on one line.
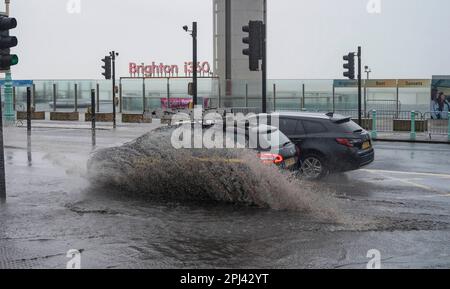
[(406, 137), (399, 206)]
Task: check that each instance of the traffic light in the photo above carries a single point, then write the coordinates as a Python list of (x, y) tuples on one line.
[(349, 66), (7, 42), (255, 41), (107, 67)]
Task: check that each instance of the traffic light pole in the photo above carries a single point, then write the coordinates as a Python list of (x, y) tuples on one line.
[(264, 71), (264, 59), (2, 149), (2, 162), (359, 87)]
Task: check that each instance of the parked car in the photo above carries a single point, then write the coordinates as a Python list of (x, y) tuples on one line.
[(329, 143)]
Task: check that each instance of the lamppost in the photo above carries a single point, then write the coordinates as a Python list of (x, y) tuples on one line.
[(194, 59), (368, 71)]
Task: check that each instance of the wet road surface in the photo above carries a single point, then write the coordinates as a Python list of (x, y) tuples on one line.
[(399, 205)]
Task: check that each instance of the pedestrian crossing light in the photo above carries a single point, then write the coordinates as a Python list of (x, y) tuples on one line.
[(7, 42)]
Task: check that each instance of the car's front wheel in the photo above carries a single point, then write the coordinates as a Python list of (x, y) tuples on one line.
[(313, 167)]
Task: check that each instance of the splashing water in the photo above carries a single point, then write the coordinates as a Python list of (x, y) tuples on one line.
[(150, 167)]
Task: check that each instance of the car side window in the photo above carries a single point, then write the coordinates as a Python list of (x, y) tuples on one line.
[(288, 126), (300, 130), (313, 127)]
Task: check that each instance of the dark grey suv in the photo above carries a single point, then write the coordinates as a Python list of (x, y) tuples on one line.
[(328, 143)]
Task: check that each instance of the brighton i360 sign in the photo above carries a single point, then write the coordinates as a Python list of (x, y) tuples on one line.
[(164, 70)]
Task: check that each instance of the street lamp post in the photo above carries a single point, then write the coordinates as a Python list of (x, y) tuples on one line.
[(368, 71), (194, 59), (366, 89)]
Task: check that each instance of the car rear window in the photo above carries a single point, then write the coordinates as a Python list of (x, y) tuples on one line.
[(348, 126)]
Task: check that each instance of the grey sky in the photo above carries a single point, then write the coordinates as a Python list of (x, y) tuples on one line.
[(307, 39)]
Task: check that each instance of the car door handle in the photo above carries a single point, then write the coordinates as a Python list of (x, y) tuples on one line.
[(297, 139)]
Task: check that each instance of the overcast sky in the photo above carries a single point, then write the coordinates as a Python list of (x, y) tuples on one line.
[(307, 38)]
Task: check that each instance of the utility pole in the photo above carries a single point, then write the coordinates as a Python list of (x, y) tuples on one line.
[(359, 86), (195, 62)]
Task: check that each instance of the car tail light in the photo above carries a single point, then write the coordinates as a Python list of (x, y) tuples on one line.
[(345, 142), (271, 158)]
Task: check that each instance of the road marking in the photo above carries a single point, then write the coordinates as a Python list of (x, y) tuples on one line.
[(219, 160), (409, 182), (408, 173)]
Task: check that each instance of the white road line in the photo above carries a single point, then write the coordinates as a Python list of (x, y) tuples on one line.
[(408, 173), (409, 182)]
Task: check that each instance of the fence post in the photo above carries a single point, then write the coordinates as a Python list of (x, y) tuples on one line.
[(144, 101), (218, 92), (120, 97), (54, 96), (303, 97), (168, 92), (76, 97), (246, 95), (334, 99), (374, 124), (274, 97), (449, 126), (98, 97), (14, 98), (413, 125), (34, 97)]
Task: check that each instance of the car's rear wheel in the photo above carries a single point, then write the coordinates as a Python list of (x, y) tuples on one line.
[(313, 167)]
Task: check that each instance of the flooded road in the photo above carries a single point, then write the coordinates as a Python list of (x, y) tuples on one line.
[(400, 205)]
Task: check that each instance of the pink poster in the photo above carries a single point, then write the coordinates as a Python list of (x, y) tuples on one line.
[(180, 103)]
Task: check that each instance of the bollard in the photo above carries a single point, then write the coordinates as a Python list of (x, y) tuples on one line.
[(374, 125), (93, 95), (29, 117), (449, 126), (413, 125)]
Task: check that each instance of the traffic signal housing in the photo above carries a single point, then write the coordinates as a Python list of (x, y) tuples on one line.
[(107, 67), (255, 41), (7, 42), (349, 66)]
